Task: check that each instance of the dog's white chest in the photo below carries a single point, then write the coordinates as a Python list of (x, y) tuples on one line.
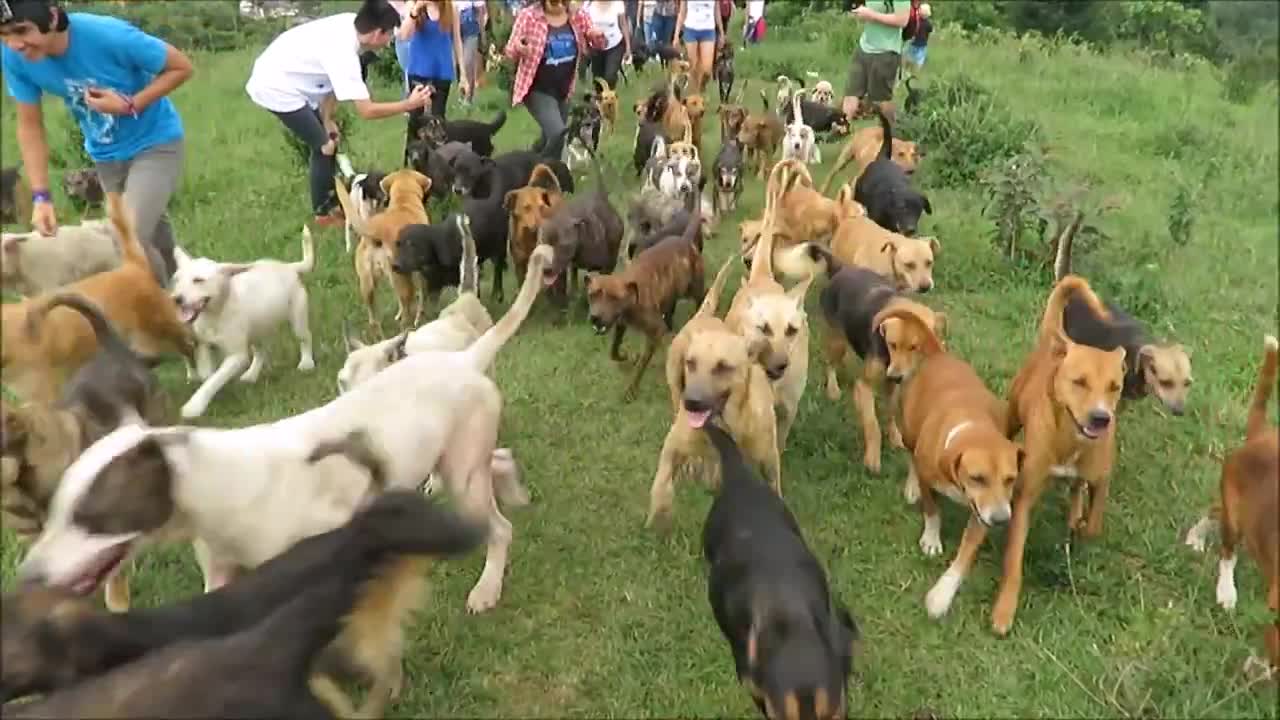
[(952, 491), (1067, 469)]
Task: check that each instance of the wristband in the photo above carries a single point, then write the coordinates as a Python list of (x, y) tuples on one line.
[(41, 196), (129, 106)]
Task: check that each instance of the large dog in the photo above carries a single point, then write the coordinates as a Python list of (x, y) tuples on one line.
[(31, 264)]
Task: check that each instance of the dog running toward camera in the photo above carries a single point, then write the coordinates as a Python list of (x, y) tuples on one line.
[(799, 142), (760, 135), (1248, 510), (885, 190), (863, 148)]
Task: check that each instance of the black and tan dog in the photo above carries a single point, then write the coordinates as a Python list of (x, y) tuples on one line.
[(210, 655), (644, 295), (724, 71), (793, 643)]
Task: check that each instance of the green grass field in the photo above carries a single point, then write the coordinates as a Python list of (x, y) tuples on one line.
[(601, 618)]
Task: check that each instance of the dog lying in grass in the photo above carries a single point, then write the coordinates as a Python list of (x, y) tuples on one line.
[(792, 642)]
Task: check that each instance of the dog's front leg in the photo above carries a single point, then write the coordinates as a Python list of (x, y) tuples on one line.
[(615, 348), (663, 492), (233, 365), (943, 592), (499, 269), (204, 363), (864, 403), (654, 335), (1099, 488), (895, 433), (836, 349), (1035, 474)]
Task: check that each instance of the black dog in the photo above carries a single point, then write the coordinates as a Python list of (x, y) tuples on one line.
[(792, 643), (725, 72), (54, 639), (915, 97), (434, 162), (438, 252), (478, 177), (727, 176), (478, 134), (822, 118), (886, 192), (647, 133), (585, 122)]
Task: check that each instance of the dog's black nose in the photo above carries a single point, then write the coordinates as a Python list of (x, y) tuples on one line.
[(776, 371), (925, 287), (177, 300), (1177, 409), (1099, 419), (696, 405)]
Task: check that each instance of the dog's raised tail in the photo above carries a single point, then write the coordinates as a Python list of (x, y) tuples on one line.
[(1257, 425), (1051, 323), (485, 349), (886, 129), (469, 271), (906, 312), (109, 341), (308, 261), (711, 301), (121, 217), (804, 260), (356, 447), (357, 222)]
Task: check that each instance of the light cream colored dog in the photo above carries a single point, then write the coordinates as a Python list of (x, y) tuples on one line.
[(31, 264)]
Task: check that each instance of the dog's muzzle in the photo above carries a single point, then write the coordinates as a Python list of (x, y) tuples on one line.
[(777, 370), (601, 326), (189, 312)]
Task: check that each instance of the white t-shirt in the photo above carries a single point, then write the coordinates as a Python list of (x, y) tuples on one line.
[(604, 17), (306, 63), (700, 14), (755, 9)]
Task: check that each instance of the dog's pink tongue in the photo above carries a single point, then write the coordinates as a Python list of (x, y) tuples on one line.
[(698, 419), (549, 280), (187, 314)]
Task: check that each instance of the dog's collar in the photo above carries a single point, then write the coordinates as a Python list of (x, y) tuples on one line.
[(951, 435)]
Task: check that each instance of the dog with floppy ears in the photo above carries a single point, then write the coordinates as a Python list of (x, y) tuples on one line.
[(713, 370), (140, 482), (1248, 509), (406, 191), (36, 365), (1065, 397), (953, 426), (232, 307)]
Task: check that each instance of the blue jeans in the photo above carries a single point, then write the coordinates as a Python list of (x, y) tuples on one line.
[(664, 29), (402, 57)]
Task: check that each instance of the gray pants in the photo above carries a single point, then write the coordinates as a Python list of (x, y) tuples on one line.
[(471, 60), (552, 116), (148, 180)]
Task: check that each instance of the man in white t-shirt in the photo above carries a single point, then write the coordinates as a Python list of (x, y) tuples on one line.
[(307, 70)]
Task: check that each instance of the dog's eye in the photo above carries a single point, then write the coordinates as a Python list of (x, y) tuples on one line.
[(792, 330), (766, 330), (978, 480), (928, 263), (1186, 383), (911, 266), (722, 368), (690, 365), (912, 348), (1080, 383), (1166, 384), (1113, 388), (1009, 481)]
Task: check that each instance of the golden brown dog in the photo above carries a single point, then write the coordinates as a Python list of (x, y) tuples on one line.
[(773, 318), (953, 426), (678, 73), (644, 294), (607, 101), (712, 370), (380, 236), (675, 119), (1065, 397), (1249, 508), (695, 107), (760, 137), (36, 362), (732, 118), (526, 208), (862, 148)]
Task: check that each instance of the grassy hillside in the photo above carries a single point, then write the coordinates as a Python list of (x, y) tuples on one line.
[(600, 618)]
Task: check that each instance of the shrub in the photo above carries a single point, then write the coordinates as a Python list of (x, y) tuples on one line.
[(965, 128), (209, 25)]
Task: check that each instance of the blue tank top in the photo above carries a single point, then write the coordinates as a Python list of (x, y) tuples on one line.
[(431, 51), (469, 17)]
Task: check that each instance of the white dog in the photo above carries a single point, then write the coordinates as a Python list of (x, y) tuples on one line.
[(32, 264), (786, 88), (799, 142), (233, 307), (823, 93)]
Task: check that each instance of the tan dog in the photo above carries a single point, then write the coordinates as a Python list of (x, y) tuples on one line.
[(863, 147), (732, 118), (678, 73), (1249, 508), (953, 426), (760, 137), (1065, 396), (607, 101), (773, 318), (711, 370), (36, 363), (527, 208), (379, 237), (675, 119), (807, 214), (695, 108)]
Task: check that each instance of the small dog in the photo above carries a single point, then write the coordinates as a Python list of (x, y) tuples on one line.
[(1249, 507), (366, 193), (798, 142), (644, 295), (678, 72), (695, 109), (822, 93), (886, 192), (863, 148), (407, 192), (31, 264), (585, 233), (792, 643), (527, 208), (232, 307), (953, 426), (607, 101), (676, 171), (824, 118), (15, 197), (437, 251), (760, 135), (492, 59), (1065, 395), (84, 189), (786, 88), (584, 135), (727, 171), (724, 72), (648, 135)]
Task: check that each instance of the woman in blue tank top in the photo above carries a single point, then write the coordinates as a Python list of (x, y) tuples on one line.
[(435, 49)]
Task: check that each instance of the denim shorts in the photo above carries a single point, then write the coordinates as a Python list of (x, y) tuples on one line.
[(699, 36), (915, 53)]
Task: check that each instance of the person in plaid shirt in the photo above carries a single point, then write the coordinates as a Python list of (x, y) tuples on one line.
[(547, 42)]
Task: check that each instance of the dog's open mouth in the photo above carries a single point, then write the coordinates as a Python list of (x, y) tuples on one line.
[(99, 568), (1087, 430), (550, 276), (188, 312)]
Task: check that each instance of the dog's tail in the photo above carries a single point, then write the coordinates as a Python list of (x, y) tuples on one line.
[(131, 252), (404, 522), (1062, 258), (733, 466), (601, 85), (349, 209), (469, 271), (907, 312), (886, 144), (784, 85), (1051, 324), (308, 261), (1257, 425), (742, 92), (764, 98), (498, 122), (797, 118), (711, 301), (485, 349), (109, 340), (345, 167), (781, 180)]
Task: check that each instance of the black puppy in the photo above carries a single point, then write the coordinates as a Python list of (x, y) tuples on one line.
[(724, 72), (477, 177), (823, 118), (886, 192), (437, 251), (727, 176), (585, 232), (792, 643), (54, 639)]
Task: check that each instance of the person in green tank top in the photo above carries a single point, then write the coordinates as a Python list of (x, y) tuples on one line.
[(874, 69)]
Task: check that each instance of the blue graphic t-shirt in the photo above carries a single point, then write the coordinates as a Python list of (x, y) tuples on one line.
[(102, 52), (559, 62)]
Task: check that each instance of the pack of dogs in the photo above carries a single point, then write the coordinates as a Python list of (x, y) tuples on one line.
[(312, 532)]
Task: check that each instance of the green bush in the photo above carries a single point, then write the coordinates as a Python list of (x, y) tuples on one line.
[(345, 117), (208, 25)]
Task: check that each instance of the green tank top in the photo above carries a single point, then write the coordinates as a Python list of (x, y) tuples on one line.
[(880, 38)]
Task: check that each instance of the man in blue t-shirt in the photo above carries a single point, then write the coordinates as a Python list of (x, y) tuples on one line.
[(114, 79)]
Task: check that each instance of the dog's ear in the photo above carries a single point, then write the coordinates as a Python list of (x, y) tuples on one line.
[(884, 325), (180, 256), (934, 245), (233, 269), (1022, 458), (385, 183), (509, 200), (1146, 354), (423, 181), (924, 200), (353, 342), (633, 289), (889, 247)]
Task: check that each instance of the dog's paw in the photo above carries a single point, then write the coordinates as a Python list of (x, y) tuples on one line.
[(833, 388), (938, 600), (484, 596), (911, 490), (871, 460), (1002, 617), (659, 521), (1197, 536), (895, 437), (1257, 669), (930, 539), (1227, 592)]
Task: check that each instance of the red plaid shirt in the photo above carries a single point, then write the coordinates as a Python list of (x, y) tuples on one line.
[(532, 25)]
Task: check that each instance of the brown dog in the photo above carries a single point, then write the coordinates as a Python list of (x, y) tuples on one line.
[(644, 295), (37, 361), (379, 238), (695, 107), (1249, 508), (760, 136), (953, 426), (712, 370), (678, 73), (862, 148), (527, 208), (607, 101), (1065, 396), (732, 118)]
